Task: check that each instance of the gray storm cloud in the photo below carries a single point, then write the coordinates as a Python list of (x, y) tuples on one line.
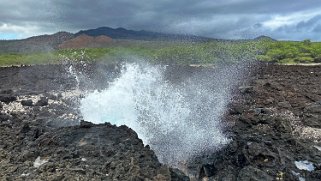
[(231, 19)]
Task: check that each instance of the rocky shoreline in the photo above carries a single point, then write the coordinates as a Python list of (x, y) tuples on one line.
[(275, 128), (274, 122)]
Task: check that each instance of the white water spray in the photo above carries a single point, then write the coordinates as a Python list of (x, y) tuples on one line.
[(73, 73), (178, 121)]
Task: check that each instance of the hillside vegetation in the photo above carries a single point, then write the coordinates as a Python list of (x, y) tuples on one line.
[(287, 52), (208, 52)]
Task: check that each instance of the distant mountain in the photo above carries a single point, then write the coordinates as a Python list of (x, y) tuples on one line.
[(85, 41), (35, 43), (54, 39), (263, 37), (98, 37), (122, 33)]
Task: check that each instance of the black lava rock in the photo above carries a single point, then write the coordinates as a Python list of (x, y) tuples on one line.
[(7, 98), (86, 124), (9, 91), (42, 102), (25, 128), (4, 117), (27, 102)]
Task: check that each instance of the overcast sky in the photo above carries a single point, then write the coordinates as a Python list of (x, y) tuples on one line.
[(231, 19)]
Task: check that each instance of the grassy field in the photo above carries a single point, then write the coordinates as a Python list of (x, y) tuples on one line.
[(284, 52)]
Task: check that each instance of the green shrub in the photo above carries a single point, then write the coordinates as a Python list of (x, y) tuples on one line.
[(264, 58), (304, 59), (287, 61)]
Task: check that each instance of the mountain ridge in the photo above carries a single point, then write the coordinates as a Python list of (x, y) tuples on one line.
[(63, 39), (122, 33)]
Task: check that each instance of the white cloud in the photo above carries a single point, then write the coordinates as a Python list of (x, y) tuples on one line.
[(22, 31), (292, 19)]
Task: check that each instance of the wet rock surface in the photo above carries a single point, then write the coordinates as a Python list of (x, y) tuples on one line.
[(274, 123), (43, 137), (98, 152)]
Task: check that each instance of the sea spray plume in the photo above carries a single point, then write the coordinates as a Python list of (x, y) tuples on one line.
[(178, 120)]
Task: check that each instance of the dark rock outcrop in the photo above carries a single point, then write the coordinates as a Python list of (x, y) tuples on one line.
[(27, 102), (275, 121), (42, 102), (7, 98)]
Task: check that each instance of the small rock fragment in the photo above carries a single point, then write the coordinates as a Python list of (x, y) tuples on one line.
[(86, 124), (38, 162), (284, 104), (246, 89), (27, 102), (304, 165), (236, 109), (317, 147), (25, 174)]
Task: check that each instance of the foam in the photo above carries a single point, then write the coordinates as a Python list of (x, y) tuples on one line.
[(178, 121)]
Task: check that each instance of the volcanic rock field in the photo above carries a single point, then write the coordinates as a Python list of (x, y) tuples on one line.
[(273, 123)]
